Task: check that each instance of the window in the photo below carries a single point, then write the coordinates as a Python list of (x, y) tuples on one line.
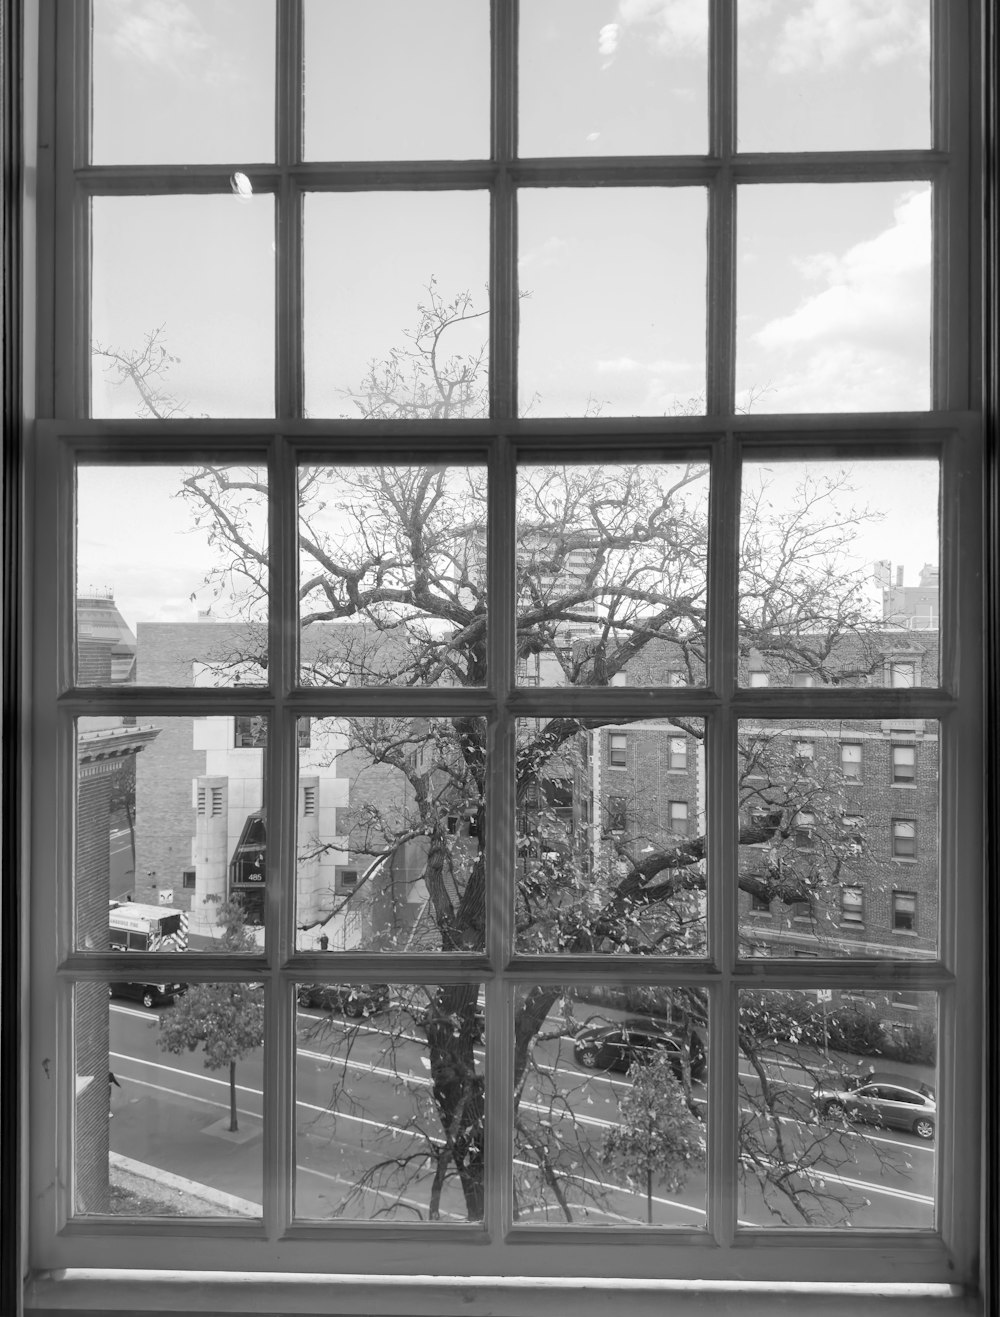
[(902, 674), (805, 822), (251, 243), (759, 904), (904, 765), (803, 679), (904, 912), (678, 753), (852, 905), (678, 816), (904, 839), (852, 826), (805, 753), (617, 813), (617, 750)]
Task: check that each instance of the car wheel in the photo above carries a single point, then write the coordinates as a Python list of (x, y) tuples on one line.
[(924, 1128), (835, 1111), (354, 1007), (587, 1056), (111, 991), (148, 999)]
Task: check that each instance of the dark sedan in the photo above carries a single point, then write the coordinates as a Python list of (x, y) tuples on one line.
[(150, 994), (353, 999), (626, 1043)]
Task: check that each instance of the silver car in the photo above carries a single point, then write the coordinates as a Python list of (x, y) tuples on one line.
[(894, 1102)]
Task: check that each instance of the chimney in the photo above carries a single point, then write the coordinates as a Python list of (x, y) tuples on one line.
[(899, 577)]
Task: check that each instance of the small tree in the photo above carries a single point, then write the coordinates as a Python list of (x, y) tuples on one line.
[(227, 1019), (658, 1134)]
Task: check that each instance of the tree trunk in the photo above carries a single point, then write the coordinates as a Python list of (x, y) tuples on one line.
[(233, 1126)]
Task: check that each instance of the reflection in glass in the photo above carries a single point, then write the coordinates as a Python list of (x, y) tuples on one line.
[(170, 830), (391, 831), (610, 1104), (396, 304), (612, 565), (182, 83), (834, 297), (612, 317), (833, 837), (635, 86), (169, 1099), (182, 318), (839, 574), (367, 70), (186, 548), (392, 575), (389, 1102), (816, 78), (838, 1109), (611, 837)]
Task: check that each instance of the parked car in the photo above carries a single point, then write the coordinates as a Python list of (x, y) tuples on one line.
[(890, 1100), (150, 994), (620, 1045), (353, 999)]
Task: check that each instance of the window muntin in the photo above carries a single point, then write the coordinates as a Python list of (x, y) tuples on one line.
[(289, 393)]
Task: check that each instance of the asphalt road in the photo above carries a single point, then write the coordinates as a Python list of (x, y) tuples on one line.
[(363, 1101)]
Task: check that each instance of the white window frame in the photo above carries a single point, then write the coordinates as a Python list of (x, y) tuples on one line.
[(65, 1259)]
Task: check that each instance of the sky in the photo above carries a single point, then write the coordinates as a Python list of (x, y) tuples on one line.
[(833, 280)]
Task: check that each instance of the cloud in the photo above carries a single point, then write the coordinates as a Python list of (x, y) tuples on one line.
[(862, 340), (166, 35), (828, 34), (629, 365), (671, 27)]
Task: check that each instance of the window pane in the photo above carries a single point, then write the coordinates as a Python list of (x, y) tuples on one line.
[(834, 297), (389, 1102), (637, 85), (162, 1126), (835, 560), (612, 327), (853, 853), (396, 304), (610, 1105), (172, 575), (838, 1111), (611, 574), (611, 837), (392, 575), (183, 83), (170, 826), (834, 77), (399, 815), (182, 322), (368, 93)]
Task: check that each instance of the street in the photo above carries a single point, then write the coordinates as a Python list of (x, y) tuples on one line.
[(365, 1113)]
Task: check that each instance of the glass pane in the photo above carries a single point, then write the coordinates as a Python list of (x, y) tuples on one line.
[(637, 85), (397, 303), (611, 837), (169, 1099), (838, 854), (170, 829), (834, 77), (611, 574), (391, 834), (178, 83), (834, 297), (838, 1110), (610, 1105), (171, 572), (839, 574), (392, 575), (612, 316), (182, 321), (368, 92), (389, 1102)]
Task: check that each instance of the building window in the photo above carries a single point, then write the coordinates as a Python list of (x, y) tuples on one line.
[(852, 905), (853, 826), (617, 813), (904, 912), (902, 674), (805, 753), (759, 905), (677, 677), (803, 679), (187, 879), (308, 801), (904, 839), (389, 353), (904, 765), (850, 761), (805, 823), (678, 816)]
